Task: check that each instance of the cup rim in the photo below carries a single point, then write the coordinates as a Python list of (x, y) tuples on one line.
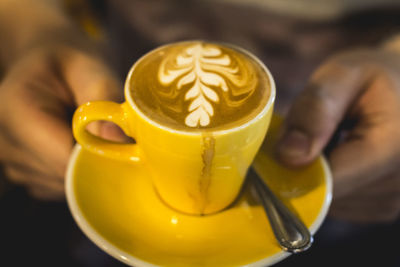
[(131, 260), (266, 108)]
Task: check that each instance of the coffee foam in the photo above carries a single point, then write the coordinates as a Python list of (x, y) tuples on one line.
[(198, 85)]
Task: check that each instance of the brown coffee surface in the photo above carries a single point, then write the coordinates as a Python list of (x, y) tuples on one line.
[(198, 85)]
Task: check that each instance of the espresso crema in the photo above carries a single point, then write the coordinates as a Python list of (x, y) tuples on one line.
[(199, 85)]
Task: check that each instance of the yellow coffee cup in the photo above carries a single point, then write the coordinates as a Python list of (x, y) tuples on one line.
[(199, 171)]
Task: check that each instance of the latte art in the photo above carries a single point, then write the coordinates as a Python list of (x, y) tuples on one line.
[(206, 70), (197, 85)]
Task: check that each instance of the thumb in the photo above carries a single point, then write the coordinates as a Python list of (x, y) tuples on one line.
[(90, 79), (316, 113)]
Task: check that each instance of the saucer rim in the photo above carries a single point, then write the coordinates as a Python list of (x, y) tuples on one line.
[(128, 259)]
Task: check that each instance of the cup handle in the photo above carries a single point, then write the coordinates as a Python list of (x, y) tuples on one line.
[(108, 111)]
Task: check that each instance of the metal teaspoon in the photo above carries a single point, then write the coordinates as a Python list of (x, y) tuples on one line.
[(292, 235)]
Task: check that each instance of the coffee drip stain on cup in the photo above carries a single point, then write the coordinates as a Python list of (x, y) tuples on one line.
[(208, 145)]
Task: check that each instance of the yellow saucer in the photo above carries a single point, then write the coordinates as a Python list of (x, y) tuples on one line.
[(115, 205)]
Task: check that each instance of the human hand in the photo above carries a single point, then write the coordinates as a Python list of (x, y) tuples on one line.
[(352, 102), (37, 97)]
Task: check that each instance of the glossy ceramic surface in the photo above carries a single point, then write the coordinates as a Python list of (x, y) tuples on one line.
[(205, 168), (116, 206)]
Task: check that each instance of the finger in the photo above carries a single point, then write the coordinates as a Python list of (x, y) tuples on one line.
[(19, 153), (9, 146), (31, 178), (375, 203), (15, 153), (373, 147), (49, 140), (316, 113), (43, 193), (112, 132), (43, 131), (89, 78), (36, 120), (360, 161)]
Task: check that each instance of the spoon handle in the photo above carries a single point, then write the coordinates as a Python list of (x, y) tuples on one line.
[(292, 235)]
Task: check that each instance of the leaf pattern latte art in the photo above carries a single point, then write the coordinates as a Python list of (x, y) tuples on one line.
[(205, 74)]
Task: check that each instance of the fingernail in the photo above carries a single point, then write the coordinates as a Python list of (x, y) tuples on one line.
[(294, 144)]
